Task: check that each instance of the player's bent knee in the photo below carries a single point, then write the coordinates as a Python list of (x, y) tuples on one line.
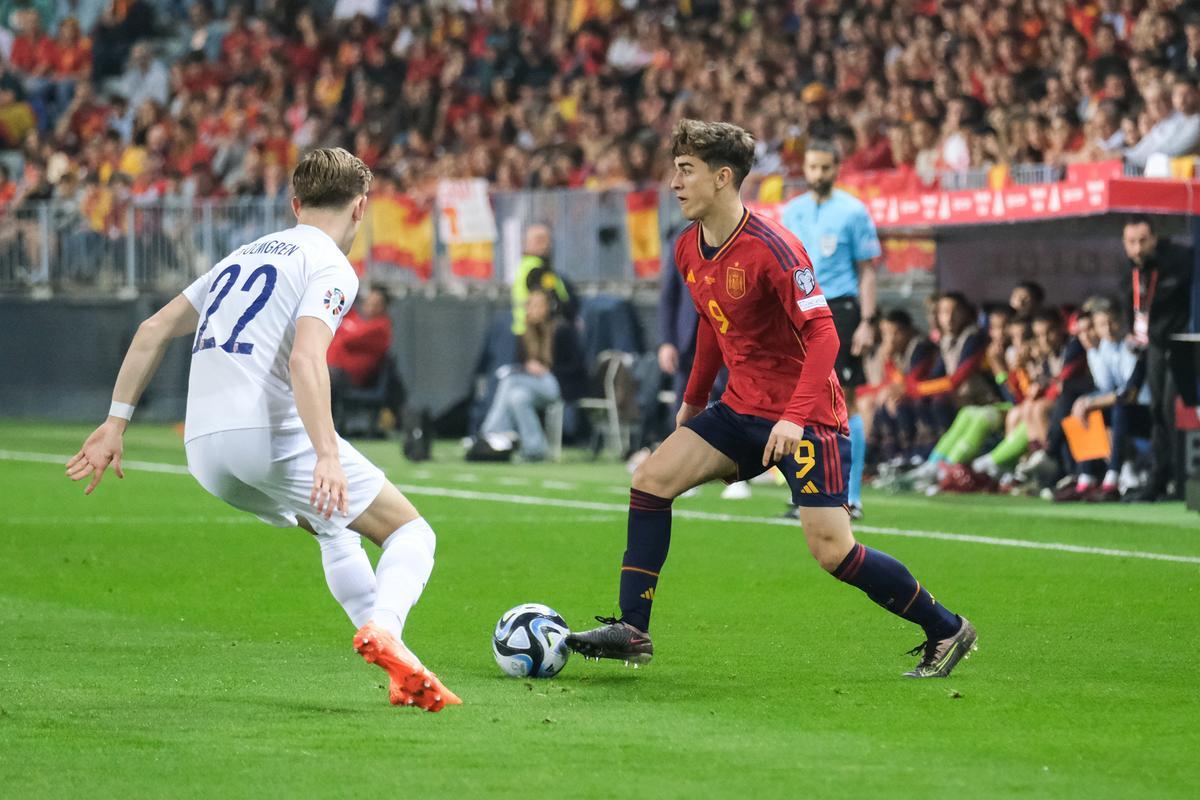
[(650, 478), (388, 511), (827, 532)]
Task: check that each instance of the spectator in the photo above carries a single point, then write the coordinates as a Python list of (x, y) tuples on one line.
[(145, 78), (1060, 376), (1103, 134), (1187, 61), (1162, 289), (33, 52), (362, 342), (957, 378), (908, 359), (549, 368), (536, 263), (16, 116), (1178, 133), (924, 137), (950, 431), (360, 350), (1026, 299), (122, 24), (8, 190), (1113, 363)]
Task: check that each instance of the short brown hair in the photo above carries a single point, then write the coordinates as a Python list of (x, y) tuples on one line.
[(330, 177), (717, 144)]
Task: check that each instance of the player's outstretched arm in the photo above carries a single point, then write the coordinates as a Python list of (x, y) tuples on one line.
[(310, 384), (106, 443)]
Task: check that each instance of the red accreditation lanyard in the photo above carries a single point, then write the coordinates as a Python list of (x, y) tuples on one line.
[(1141, 316)]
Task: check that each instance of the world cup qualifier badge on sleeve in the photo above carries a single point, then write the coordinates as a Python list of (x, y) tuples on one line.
[(805, 280), (335, 301)]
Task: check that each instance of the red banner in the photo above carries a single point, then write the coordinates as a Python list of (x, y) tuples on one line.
[(1035, 202)]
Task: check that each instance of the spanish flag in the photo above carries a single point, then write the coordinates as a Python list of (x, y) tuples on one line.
[(471, 260), (398, 232), (645, 244)]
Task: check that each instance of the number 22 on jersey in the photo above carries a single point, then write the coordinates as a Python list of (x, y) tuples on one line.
[(230, 275)]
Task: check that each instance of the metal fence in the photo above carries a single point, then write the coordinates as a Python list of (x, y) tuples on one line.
[(65, 246), (87, 247), (69, 247)]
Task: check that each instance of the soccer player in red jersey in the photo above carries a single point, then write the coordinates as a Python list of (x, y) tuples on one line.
[(763, 315)]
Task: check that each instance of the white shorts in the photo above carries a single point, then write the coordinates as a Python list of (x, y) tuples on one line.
[(269, 473)]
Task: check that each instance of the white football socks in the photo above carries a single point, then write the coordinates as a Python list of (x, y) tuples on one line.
[(403, 570), (348, 574)]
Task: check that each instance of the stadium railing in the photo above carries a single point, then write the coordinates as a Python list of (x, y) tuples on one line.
[(101, 245)]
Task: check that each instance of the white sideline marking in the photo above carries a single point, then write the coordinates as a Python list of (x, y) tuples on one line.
[(503, 480), (621, 508), (585, 505), (50, 458)]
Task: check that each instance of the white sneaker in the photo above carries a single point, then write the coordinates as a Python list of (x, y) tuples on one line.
[(692, 492), (772, 477), (985, 466), (1129, 478), (736, 491)]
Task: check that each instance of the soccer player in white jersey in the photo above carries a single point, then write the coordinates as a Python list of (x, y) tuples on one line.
[(259, 433)]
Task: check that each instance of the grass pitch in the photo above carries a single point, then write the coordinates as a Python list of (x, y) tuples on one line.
[(154, 642)]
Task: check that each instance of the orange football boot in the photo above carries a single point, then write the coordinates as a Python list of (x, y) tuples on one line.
[(410, 683)]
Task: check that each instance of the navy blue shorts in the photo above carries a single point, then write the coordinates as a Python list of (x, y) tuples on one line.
[(817, 472)]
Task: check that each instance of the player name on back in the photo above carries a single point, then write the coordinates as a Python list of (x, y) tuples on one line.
[(272, 246)]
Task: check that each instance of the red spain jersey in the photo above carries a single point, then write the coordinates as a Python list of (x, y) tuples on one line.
[(762, 314)]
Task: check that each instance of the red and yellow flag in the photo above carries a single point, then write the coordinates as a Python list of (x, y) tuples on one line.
[(471, 260), (398, 232), (645, 244)]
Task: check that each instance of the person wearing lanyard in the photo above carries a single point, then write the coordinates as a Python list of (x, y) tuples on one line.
[(836, 230), (1162, 288)]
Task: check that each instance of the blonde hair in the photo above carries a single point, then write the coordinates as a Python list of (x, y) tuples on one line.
[(330, 177), (717, 144)]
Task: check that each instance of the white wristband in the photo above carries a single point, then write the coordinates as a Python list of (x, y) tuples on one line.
[(122, 410)]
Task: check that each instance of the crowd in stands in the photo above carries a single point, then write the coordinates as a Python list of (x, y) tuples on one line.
[(187, 100)]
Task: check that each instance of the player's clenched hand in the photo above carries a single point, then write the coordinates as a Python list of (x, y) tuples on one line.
[(685, 413), (103, 447), (329, 488), (785, 439)]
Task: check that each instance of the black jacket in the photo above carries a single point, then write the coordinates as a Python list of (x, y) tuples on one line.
[(1170, 308)]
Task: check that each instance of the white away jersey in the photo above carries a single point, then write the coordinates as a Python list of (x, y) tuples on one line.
[(248, 305)]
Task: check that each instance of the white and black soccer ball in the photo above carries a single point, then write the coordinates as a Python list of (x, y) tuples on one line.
[(530, 641)]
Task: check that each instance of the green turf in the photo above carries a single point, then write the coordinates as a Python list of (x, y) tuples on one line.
[(154, 642)]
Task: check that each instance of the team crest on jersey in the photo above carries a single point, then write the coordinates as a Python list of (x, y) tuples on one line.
[(828, 244), (335, 301), (735, 282), (805, 280)]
